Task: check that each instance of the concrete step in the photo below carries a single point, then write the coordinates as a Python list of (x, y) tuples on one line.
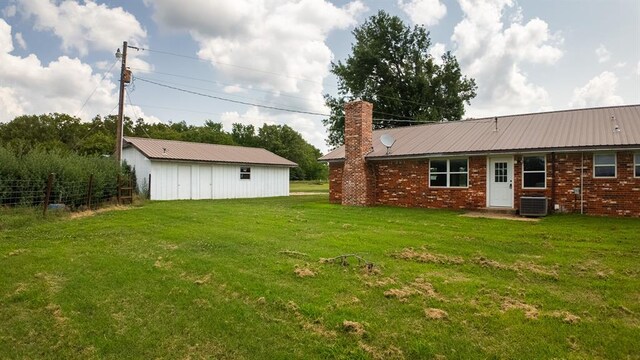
[(495, 210)]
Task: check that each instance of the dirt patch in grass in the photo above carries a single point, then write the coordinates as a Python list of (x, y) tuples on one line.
[(304, 272), (488, 263), (52, 282), (518, 267), (315, 327), (169, 246), (82, 214), (401, 294), (379, 282), (391, 352), (418, 287), (353, 327), (162, 263), (566, 317), (203, 280), (20, 288), (592, 268), (530, 311), (57, 314), (427, 257), (293, 254), (435, 314), (16, 252)]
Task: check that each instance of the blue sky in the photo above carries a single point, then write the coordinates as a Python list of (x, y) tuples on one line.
[(526, 56)]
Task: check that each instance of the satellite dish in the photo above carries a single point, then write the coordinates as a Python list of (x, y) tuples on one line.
[(388, 141)]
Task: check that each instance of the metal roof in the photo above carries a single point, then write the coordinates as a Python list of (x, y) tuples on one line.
[(156, 149), (595, 128)]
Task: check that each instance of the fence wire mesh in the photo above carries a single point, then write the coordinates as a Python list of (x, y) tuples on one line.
[(72, 195)]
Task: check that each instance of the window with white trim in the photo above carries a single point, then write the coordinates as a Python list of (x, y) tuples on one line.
[(534, 172), (245, 173), (604, 165), (637, 164), (449, 173)]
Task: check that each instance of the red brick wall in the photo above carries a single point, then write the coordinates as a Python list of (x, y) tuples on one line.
[(618, 196), (406, 183), (335, 182), (357, 179)]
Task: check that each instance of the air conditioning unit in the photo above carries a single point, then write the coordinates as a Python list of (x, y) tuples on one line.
[(533, 206)]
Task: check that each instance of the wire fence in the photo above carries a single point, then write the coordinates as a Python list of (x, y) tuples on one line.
[(49, 193)]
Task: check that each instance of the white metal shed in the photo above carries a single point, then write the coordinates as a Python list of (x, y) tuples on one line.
[(173, 170)]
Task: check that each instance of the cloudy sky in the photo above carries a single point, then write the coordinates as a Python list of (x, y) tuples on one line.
[(526, 56)]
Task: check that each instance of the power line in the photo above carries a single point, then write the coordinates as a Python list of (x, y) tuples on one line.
[(95, 88), (75, 147), (231, 100), (135, 113), (231, 65), (221, 83), (183, 86)]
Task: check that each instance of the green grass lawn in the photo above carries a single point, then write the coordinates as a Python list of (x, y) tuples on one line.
[(243, 279), (315, 186)]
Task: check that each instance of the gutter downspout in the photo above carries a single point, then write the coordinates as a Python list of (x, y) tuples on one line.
[(582, 183)]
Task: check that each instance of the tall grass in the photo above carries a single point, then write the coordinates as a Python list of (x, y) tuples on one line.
[(23, 178)]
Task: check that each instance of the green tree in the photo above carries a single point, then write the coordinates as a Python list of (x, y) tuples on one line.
[(390, 66), (288, 143), (244, 135), (47, 132)]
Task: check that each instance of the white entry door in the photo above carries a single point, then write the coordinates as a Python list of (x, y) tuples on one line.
[(184, 182), (500, 182)]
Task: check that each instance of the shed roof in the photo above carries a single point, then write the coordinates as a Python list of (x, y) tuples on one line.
[(594, 128), (156, 149)]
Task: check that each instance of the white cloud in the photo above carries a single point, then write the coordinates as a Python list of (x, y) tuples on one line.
[(426, 12), (20, 40), (638, 69), (84, 27), (233, 89), (277, 46), (603, 54), (437, 50), (599, 91), (620, 65), (493, 53), (9, 11), (29, 87)]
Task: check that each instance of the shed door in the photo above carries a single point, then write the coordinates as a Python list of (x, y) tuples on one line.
[(500, 182), (184, 182), (205, 182)]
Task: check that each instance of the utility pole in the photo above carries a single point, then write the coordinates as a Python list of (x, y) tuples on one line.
[(125, 77)]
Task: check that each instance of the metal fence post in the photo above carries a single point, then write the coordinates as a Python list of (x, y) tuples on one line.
[(48, 193), (118, 189), (89, 190)]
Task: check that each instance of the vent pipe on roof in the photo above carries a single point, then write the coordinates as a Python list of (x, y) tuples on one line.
[(616, 127), (164, 151), (495, 121)]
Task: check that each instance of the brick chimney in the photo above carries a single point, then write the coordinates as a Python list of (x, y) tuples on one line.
[(357, 179)]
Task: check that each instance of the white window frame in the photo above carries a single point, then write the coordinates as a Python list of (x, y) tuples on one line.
[(247, 172), (636, 164), (615, 165), (535, 171), (448, 173)]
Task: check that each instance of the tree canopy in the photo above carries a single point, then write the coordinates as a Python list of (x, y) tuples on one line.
[(390, 66), (63, 133)]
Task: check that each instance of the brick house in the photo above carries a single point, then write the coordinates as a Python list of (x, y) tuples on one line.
[(581, 161)]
